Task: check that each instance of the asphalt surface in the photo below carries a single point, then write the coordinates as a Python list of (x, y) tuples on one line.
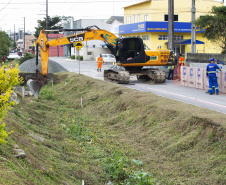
[(169, 90)]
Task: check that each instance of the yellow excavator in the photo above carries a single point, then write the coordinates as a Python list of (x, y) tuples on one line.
[(129, 52)]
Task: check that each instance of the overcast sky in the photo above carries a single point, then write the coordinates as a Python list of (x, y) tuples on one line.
[(13, 11)]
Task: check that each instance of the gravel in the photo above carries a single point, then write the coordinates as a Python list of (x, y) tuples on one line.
[(30, 66)]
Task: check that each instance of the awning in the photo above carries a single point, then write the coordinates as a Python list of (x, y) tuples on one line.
[(185, 41)]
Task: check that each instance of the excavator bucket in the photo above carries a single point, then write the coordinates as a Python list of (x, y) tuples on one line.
[(35, 86), (35, 81)]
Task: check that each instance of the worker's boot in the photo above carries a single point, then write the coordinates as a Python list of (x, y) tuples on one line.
[(97, 70), (100, 70)]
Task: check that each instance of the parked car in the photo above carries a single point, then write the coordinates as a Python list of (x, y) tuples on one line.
[(108, 58), (19, 53)]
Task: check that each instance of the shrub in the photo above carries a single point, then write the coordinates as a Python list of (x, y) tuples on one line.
[(26, 57), (8, 79), (72, 56), (79, 57)]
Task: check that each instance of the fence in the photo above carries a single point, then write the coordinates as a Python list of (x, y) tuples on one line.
[(195, 77), (204, 57)]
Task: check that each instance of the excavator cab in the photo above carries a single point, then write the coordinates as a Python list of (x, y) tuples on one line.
[(131, 50)]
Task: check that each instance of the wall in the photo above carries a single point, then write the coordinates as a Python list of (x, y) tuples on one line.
[(156, 11), (28, 41), (204, 58), (95, 52), (56, 51), (115, 27)]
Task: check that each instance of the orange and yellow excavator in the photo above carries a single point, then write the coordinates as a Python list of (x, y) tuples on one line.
[(129, 53)]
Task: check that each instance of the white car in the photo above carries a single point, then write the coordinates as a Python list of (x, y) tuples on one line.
[(108, 58)]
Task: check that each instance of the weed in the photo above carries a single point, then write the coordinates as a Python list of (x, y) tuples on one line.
[(115, 166)]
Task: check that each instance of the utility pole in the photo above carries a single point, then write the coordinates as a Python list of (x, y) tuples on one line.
[(171, 24), (14, 36), (24, 34), (193, 36), (47, 17)]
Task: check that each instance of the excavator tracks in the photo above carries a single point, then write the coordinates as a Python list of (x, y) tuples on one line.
[(152, 76), (117, 74)]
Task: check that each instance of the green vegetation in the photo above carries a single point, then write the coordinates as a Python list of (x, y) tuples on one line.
[(5, 44), (101, 132), (72, 56), (79, 57), (53, 23), (213, 26), (8, 79), (26, 57)]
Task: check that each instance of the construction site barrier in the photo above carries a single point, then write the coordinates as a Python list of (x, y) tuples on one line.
[(195, 77)]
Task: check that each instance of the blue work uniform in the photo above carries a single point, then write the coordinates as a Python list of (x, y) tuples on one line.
[(211, 71)]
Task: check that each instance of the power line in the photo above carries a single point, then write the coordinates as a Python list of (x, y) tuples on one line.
[(5, 6), (63, 2)]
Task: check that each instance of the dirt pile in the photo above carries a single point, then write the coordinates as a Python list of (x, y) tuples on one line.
[(30, 66)]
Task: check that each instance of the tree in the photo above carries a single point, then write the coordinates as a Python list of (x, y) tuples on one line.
[(5, 43), (53, 23), (213, 26)]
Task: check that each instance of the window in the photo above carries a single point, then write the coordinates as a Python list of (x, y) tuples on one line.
[(166, 17), (145, 17), (178, 37), (125, 22), (134, 18), (144, 37), (116, 29), (163, 37), (138, 17), (89, 53), (129, 20), (148, 37)]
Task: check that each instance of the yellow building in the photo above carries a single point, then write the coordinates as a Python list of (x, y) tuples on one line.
[(149, 20)]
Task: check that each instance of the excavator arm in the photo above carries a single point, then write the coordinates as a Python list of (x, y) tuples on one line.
[(87, 34)]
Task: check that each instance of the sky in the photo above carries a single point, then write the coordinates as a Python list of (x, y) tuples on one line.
[(13, 12)]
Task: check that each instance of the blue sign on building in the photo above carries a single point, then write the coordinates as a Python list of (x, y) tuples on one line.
[(182, 27)]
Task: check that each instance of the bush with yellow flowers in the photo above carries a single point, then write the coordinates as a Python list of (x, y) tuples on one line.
[(9, 77)]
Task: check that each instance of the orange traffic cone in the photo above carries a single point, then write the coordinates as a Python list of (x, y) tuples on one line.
[(11, 66)]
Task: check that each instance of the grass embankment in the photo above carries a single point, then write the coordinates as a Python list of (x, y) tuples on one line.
[(120, 135)]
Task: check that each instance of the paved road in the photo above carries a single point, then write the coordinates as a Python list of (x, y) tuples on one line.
[(184, 94)]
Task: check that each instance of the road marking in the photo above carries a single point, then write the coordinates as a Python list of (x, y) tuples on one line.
[(182, 96)]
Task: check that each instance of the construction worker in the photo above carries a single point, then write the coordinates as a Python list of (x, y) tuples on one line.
[(211, 71), (171, 72), (99, 63), (180, 63)]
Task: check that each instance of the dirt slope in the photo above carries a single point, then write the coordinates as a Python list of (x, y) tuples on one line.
[(99, 132)]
